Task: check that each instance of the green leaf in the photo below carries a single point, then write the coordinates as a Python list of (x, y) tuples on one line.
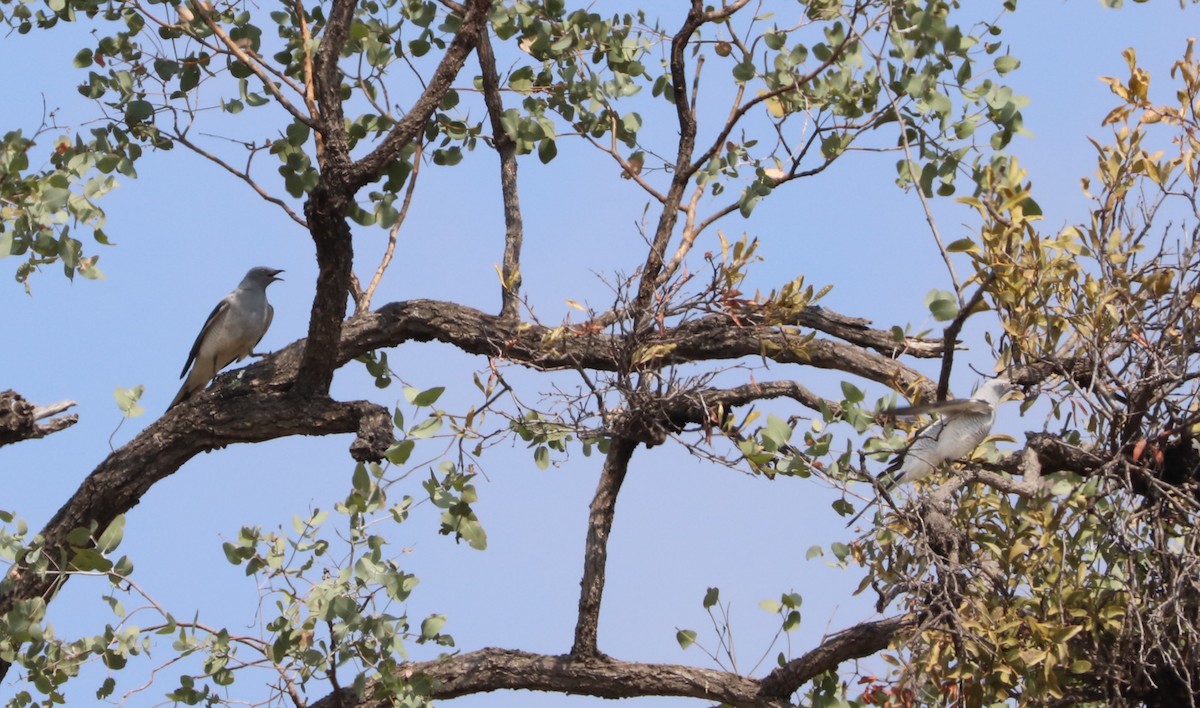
[(778, 432), (398, 454), (426, 428), (541, 457), (711, 597), (360, 480), (1006, 64), (547, 150), (840, 550), (743, 72), (814, 552), (963, 245), (138, 111), (942, 305), (79, 536), (851, 392), (792, 621), (685, 637), (424, 398), (111, 538), (772, 606), (432, 626), (90, 560), (127, 400)]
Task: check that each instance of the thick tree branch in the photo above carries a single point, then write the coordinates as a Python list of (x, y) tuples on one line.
[(374, 164), (230, 413), (860, 640), (340, 180), (255, 404), (325, 209), (595, 556), (493, 669), (708, 338), (514, 229), (328, 85)]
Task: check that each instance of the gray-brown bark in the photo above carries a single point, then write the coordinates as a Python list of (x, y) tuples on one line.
[(19, 418)]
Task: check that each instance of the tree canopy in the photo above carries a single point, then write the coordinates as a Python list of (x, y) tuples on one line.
[(1061, 568)]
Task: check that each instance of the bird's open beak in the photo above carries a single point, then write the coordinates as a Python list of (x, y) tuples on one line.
[(275, 275)]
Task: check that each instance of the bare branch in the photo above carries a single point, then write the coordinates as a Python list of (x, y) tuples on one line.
[(680, 174), (595, 557), (310, 95), (706, 339), (243, 176), (950, 335), (18, 418), (363, 299), (500, 669), (858, 641), (506, 148)]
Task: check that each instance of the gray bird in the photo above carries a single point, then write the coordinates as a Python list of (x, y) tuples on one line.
[(237, 324), (963, 424)]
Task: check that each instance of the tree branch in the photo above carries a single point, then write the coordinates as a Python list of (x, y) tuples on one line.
[(229, 413), (183, 140), (595, 556), (510, 269), (251, 61), (341, 179), (860, 640), (18, 418), (709, 338), (494, 669), (680, 175), (372, 166), (328, 86)]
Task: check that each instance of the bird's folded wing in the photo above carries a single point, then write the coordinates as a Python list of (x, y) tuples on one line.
[(214, 321), (956, 406)]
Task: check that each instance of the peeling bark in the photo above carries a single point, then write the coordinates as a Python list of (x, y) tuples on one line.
[(19, 418)]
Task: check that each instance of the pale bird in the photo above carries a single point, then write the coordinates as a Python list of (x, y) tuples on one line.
[(962, 425), (237, 324)]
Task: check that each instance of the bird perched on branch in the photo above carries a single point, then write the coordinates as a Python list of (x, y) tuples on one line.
[(237, 324), (962, 425)]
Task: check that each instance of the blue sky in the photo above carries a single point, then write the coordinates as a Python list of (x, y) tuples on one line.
[(186, 233)]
